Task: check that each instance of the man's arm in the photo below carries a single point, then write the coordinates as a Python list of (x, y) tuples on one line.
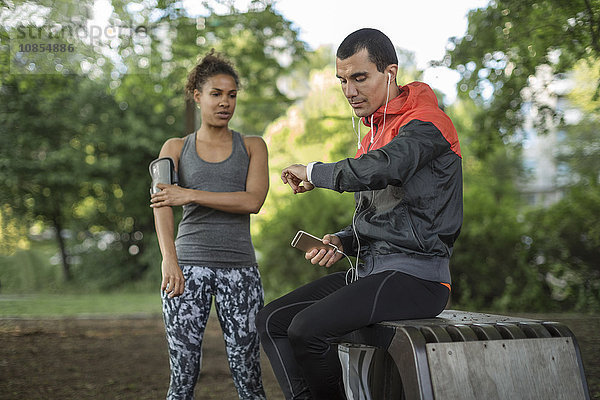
[(417, 144), (348, 240), (296, 175)]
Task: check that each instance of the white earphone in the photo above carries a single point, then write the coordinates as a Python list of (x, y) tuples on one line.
[(384, 111), (386, 101), (352, 273)]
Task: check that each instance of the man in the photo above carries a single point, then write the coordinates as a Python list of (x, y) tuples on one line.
[(407, 180)]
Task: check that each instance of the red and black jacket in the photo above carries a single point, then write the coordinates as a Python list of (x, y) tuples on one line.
[(408, 186)]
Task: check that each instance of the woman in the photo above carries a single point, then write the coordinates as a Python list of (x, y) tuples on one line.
[(223, 178)]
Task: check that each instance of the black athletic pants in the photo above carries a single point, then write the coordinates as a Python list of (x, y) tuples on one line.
[(297, 329)]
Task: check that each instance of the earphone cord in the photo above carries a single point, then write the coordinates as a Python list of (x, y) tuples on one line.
[(387, 98), (353, 271), (354, 129), (354, 275)]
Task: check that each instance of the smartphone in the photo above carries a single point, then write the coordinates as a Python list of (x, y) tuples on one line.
[(306, 242), (162, 170)]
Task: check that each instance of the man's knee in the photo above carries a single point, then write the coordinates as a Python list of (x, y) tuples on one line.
[(267, 321), (303, 330)]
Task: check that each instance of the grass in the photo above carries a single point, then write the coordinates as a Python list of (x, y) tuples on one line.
[(71, 305), (31, 286)]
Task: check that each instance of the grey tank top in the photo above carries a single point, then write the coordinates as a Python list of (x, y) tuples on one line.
[(206, 236)]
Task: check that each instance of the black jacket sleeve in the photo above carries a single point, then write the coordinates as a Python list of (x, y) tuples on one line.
[(416, 144), (348, 240)]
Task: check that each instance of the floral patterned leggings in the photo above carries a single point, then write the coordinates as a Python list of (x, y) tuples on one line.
[(238, 297)]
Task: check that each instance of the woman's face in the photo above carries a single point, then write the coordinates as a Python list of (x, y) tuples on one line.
[(217, 100)]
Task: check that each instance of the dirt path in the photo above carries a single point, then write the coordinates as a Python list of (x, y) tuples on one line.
[(105, 359), (127, 359)]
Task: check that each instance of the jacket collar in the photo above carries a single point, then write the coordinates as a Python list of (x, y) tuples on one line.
[(397, 105)]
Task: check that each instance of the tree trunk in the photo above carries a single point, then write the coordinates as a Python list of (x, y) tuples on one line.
[(190, 116), (63, 248)]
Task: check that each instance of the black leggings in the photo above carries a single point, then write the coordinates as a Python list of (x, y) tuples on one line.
[(297, 329)]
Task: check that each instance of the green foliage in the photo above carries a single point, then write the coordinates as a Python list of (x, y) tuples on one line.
[(580, 148), (98, 263), (74, 149), (283, 267), (488, 257), (30, 271), (105, 267), (319, 129), (507, 42), (54, 152), (511, 259), (57, 164), (580, 153), (12, 231), (261, 43), (507, 258), (566, 248)]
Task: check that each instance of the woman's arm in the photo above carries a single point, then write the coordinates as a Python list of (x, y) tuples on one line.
[(249, 201), (172, 278)]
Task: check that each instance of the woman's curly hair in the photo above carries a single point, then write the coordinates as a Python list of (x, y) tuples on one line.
[(211, 64)]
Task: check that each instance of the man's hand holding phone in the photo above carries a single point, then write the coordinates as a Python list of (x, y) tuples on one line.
[(325, 252), (326, 258)]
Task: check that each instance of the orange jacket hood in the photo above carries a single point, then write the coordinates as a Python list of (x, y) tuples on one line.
[(415, 101)]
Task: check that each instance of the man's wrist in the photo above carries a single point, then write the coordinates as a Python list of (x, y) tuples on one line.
[(309, 169)]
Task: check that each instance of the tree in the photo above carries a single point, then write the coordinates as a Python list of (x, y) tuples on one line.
[(57, 125), (317, 128), (53, 159), (580, 148), (261, 43), (505, 45), (511, 55), (565, 248), (76, 142), (489, 262), (565, 238)]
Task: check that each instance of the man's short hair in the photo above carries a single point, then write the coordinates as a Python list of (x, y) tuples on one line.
[(380, 48)]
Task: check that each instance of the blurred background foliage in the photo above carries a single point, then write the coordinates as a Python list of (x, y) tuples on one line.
[(75, 145)]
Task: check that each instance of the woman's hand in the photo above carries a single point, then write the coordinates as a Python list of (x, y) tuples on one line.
[(323, 257), (173, 282), (170, 195)]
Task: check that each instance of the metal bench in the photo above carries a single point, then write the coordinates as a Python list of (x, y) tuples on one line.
[(463, 355)]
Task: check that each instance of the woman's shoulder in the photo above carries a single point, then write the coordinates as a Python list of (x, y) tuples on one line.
[(254, 143), (252, 140), (172, 147)]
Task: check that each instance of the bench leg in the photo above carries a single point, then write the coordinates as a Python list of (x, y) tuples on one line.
[(356, 361), (369, 373)]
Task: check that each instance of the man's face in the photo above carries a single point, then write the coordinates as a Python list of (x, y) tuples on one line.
[(364, 86)]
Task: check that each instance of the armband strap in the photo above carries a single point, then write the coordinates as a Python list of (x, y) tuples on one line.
[(162, 170)]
